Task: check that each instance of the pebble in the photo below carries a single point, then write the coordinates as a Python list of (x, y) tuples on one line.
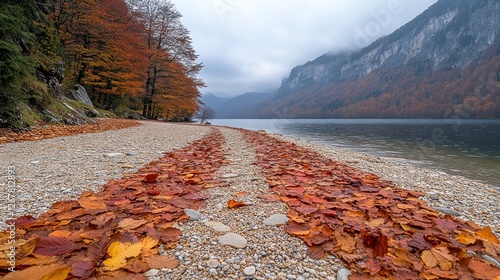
[(343, 274), (132, 154), (276, 219), (213, 263), (217, 226), (212, 271), (230, 175), (152, 272), (249, 270), (233, 240), (193, 214), (447, 211), (113, 154)]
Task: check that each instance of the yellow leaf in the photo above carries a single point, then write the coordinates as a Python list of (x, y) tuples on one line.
[(119, 252), (466, 238), (148, 243)]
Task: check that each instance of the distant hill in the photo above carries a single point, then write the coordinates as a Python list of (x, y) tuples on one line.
[(213, 101), (239, 106), (235, 107), (445, 63)]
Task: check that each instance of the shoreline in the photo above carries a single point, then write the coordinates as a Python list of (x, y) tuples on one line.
[(273, 251), (473, 200)]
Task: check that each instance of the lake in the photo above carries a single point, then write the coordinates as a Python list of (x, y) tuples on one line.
[(470, 148)]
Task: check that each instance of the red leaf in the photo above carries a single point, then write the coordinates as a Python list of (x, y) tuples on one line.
[(82, 269), (153, 192), (151, 177), (23, 221), (54, 246)]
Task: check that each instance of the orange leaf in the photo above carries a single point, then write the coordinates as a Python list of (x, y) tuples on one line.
[(159, 262), (241, 194), (437, 256), (466, 238), (486, 233), (91, 203), (235, 204), (51, 271)]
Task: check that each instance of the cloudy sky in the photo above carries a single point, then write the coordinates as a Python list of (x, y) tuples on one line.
[(251, 45)]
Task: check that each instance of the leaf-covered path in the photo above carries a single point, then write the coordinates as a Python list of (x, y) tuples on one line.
[(377, 229), (215, 209)]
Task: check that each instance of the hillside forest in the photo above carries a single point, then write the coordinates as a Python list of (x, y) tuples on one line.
[(130, 56), (410, 91)]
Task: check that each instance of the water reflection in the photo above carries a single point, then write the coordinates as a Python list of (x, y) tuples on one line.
[(463, 147)]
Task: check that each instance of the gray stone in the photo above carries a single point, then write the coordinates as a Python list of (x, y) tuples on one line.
[(343, 274), (233, 240), (193, 214), (447, 211), (249, 270), (152, 272), (217, 226), (113, 154), (213, 263), (79, 93), (276, 219), (212, 271), (132, 154)]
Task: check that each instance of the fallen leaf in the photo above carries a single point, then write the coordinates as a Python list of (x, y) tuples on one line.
[(466, 238), (486, 233), (162, 261), (130, 223), (232, 204), (82, 269), (483, 270), (151, 177), (239, 194), (44, 272), (91, 203), (54, 246), (436, 256)]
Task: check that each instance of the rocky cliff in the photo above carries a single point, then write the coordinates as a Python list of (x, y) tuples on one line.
[(451, 33)]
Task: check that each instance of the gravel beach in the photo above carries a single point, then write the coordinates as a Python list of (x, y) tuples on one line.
[(62, 168), (221, 243)]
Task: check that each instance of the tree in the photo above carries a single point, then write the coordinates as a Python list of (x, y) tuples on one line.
[(205, 113), (172, 63)]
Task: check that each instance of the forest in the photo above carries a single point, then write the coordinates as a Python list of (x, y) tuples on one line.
[(412, 91), (130, 56)]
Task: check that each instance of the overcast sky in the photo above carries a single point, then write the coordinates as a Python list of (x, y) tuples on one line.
[(251, 45)]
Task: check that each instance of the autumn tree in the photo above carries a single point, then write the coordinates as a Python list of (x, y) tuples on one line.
[(104, 45), (172, 67)]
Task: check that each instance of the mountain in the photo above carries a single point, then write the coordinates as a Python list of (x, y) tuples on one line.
[(444, 63), (239, 106), (213, 101)]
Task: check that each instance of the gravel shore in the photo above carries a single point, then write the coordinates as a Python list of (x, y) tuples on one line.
[(62, 168)]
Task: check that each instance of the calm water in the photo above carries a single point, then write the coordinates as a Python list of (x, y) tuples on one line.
[(462, 147)]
